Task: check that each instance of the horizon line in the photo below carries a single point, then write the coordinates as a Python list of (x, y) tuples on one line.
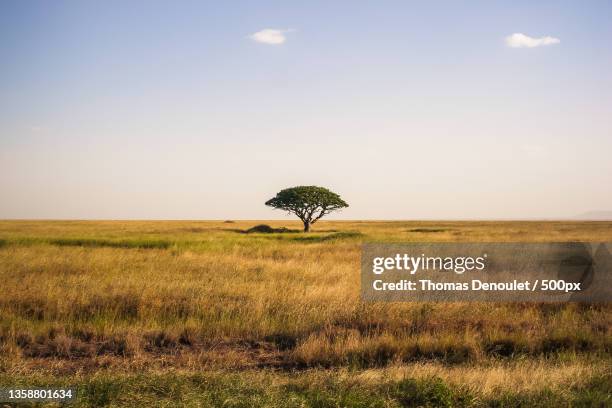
[(554, 219)]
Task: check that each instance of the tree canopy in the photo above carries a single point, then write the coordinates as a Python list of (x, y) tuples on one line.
[(308, 203)]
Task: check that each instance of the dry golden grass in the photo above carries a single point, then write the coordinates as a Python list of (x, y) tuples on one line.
[(524, 376), (86, 296)]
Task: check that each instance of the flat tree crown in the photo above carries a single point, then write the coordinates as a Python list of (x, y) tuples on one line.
[(309, 203)]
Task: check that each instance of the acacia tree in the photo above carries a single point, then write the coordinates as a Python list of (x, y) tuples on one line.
[(309, 203)]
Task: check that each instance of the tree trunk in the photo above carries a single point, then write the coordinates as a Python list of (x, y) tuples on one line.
[(306, 226)]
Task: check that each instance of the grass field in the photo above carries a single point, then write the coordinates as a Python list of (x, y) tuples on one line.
[(203, 314)]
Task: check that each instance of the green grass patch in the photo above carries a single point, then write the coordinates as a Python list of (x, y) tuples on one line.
[(328, 237), (91, 242), (267, 389)]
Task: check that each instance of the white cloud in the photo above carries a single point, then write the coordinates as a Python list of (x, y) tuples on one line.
[(518, 40), (270, 36)]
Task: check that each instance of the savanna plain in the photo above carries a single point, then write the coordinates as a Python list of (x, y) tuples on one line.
[(202, 313)]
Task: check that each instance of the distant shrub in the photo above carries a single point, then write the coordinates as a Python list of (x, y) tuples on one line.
[(266, 229), (262, 228)]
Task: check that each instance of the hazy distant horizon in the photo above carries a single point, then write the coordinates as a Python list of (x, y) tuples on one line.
[(199, 110), (332, 217)]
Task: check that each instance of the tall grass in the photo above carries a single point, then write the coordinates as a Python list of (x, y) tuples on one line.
[(80, 296)]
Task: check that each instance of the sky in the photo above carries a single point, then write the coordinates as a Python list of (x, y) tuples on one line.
[(204, 110)]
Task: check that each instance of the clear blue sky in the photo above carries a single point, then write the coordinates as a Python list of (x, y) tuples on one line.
[(134, 109)]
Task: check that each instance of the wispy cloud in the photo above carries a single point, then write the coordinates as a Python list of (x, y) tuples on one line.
[(519, 40), (270, 36)]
